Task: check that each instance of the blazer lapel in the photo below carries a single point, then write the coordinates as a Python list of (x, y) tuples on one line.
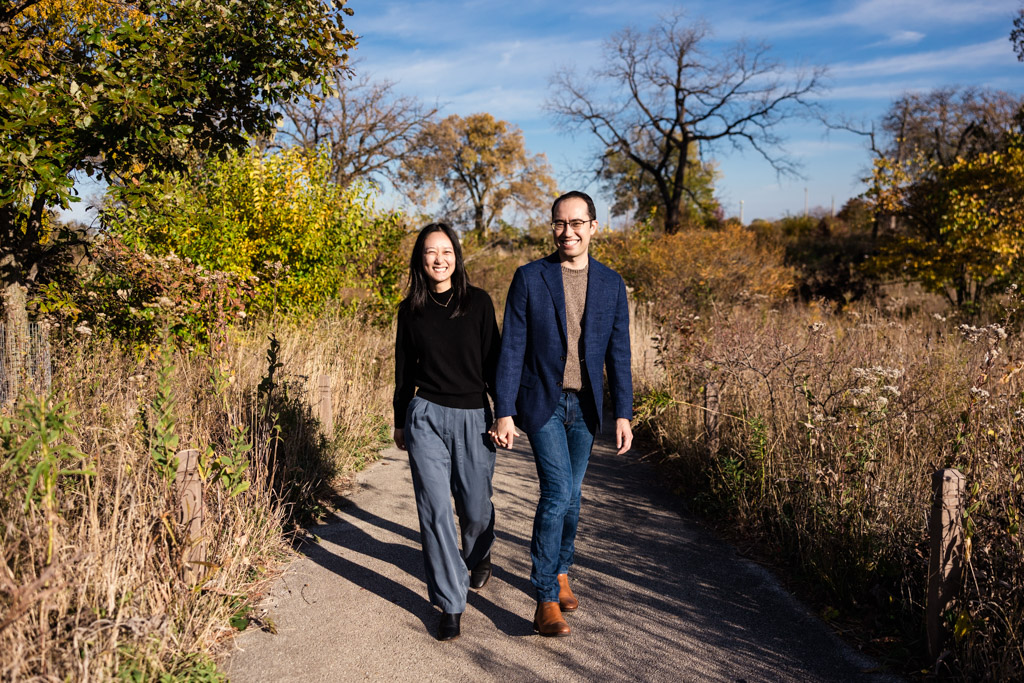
[(552, 274)]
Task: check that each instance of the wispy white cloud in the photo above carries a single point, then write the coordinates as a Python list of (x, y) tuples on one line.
[(481, 55), (976, 56), (884, 17), (900, 38)]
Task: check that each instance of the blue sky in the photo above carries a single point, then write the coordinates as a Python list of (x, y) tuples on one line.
[(497, 56)]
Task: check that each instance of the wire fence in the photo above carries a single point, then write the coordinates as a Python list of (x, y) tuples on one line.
[(24, 360)]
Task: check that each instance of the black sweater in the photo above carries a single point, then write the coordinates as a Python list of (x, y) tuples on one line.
[(448, 361)]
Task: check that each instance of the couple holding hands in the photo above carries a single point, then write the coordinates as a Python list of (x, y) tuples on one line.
[(566, 321)]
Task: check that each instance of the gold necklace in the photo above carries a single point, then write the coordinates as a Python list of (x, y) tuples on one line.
[(445, 304)]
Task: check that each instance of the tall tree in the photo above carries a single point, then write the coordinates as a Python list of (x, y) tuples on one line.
[(120, 91), (962, 223), (368, 125), (660, 95), (636, 194), (480, 166), (921, 132)]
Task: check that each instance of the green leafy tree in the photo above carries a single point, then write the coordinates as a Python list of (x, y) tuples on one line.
[(123, 91), (480, 167), (277, 220)]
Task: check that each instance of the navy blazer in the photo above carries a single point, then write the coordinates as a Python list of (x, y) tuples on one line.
[(533, 343)]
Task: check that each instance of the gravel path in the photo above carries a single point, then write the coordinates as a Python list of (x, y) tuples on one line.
[(661, 599)]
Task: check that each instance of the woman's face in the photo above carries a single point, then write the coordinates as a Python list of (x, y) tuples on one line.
[(439, 260)]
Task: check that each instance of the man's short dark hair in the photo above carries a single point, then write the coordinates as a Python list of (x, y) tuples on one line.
[(576, 194)]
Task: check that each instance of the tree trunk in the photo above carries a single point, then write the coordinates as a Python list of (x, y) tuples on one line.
[(672, 218), (13, 296), (478, 221), (16, 339)]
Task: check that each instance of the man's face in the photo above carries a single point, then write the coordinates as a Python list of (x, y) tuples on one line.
[(572, 229)]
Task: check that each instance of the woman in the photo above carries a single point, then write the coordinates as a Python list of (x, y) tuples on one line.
[(446, 351)]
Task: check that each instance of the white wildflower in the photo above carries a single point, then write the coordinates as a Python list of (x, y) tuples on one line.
[(970, 332), (979, 393), (83, 329)]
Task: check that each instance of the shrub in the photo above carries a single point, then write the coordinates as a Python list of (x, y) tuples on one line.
[(689, 272), (277, 219)]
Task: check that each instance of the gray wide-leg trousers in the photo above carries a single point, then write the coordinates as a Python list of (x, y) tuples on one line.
[(451, 456)]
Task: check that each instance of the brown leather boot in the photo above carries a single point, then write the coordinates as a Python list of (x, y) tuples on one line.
[(566, 600), (548, 620)]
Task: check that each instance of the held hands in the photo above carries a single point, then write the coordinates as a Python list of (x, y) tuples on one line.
[(503, 432), (623, 435)]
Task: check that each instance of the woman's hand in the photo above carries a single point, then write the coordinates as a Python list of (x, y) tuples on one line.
[(503, 433), (400, 438)]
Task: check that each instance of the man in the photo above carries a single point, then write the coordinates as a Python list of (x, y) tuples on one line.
[(566, 319)]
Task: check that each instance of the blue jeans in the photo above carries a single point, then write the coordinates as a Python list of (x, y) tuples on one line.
[(561, 449)]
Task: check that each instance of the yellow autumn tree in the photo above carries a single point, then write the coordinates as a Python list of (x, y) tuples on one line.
[(962, 231), (480, 167)]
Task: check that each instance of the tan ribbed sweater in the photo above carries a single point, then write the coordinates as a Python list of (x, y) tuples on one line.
[(574, 283)]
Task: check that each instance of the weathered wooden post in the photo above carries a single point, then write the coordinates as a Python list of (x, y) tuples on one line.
[(945, 562), (326, 409), (189, 488), (711, 432)]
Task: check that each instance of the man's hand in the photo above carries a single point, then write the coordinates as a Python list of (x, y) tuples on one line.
[(503, 433), (400, 438), (623, 435)]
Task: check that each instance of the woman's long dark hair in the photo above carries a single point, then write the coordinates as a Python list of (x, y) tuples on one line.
[(419, 285)]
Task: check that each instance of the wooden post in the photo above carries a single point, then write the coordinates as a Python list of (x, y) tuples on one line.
[(711, 431), (325, 409), (189, 488), (945, 562)]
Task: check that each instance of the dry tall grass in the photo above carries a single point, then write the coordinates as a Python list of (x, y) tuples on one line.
[(832, 425), (91, 580)]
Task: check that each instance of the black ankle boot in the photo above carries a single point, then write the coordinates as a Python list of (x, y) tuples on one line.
[(449, 626), (480, 574)]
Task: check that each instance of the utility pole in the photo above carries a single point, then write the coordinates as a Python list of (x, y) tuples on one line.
[(741, 212), (805, 202)]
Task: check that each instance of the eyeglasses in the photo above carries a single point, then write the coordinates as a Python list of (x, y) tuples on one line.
[(576, 225)]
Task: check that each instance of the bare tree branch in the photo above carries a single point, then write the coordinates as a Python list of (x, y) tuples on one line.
[(660, 97), (367, 124)]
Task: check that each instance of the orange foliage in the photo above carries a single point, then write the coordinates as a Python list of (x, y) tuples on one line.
[(690, 270)]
